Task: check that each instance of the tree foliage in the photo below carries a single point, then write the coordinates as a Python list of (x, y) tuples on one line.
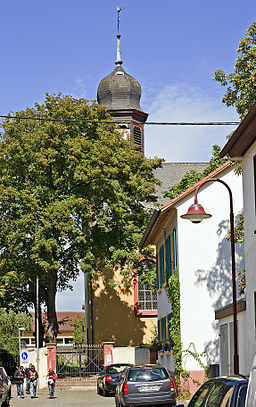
[(241, 83), (72, 192), (79, 335), (10, 322), (192, 177)]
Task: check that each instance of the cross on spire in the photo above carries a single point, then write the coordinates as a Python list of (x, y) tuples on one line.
[(118, 36)]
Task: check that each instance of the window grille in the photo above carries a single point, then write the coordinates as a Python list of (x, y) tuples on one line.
[(137, 136), (147, 299)]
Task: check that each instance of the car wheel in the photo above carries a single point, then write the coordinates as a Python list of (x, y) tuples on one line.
[(99, 391), (105, 392)]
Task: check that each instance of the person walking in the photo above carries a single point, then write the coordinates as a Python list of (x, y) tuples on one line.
[(19, 376), (51, 380), (27, 369), (33, 378)]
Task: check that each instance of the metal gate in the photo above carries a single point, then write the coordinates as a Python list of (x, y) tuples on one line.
[(79, 362)]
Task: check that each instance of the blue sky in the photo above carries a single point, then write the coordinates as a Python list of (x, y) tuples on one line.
[(170, 47)]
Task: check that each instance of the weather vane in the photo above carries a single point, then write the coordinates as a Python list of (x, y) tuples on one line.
[(118, 17)]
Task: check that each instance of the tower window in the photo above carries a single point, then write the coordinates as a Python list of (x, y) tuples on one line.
[(137, 136)]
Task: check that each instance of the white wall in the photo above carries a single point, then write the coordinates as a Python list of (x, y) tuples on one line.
[(40, 363), (241, 321), (250, 251), (204, 266), (134, 355)]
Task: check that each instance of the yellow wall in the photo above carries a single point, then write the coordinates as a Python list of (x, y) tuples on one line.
[(113, 313)]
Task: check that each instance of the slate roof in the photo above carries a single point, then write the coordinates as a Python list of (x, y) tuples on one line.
[(119, 91), (160, 215), (171, 173)]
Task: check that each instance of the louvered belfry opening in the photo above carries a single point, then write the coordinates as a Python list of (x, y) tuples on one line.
[(137, 137)]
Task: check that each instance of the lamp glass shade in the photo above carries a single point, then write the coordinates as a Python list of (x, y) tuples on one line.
[(196, 213)]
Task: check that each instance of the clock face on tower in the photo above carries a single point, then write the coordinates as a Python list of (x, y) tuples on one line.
[(126, 134)]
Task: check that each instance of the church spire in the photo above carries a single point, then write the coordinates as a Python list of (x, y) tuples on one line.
[(118, 36)]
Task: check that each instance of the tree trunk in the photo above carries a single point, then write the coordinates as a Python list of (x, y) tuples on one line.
[(53, 328), (41, 326)]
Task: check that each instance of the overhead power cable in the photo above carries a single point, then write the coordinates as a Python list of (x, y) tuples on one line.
[(227, 123)]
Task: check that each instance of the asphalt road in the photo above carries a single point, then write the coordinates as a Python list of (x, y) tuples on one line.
[(64, 398)]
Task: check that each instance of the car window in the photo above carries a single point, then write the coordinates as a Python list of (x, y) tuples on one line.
[(147, 375), (200, 396), (251, 394), (216, 396), (241, 395), (116, 369)]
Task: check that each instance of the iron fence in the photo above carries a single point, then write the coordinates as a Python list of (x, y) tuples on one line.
[(82, 362)]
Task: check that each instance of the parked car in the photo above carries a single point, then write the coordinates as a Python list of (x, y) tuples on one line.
[(251, 393), (7, 380), (221, 392), (145, 385), (4, 393), (108, 379)]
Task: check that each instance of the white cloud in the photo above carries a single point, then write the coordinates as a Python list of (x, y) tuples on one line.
[(182, 102), (79, 90), (72, 300)]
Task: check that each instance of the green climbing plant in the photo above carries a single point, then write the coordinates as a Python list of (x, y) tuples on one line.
[(174, 298), (175, 335)]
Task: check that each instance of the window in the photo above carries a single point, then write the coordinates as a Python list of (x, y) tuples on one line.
[(137, 137), (199, 398), (168, 257), (147, 299), (161, 265), (254, 175), (174, 249)]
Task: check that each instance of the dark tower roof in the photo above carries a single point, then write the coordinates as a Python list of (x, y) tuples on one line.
[(119, 91)]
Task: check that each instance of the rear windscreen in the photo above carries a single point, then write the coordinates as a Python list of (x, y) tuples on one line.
[(116, 369), (147, 375)]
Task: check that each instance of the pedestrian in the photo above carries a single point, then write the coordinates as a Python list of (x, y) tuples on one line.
[(27, 369), (19, 376), (33, 378), (51, 380)]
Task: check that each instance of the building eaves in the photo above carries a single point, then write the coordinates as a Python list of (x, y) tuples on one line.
[(242, 138), (160, 216)]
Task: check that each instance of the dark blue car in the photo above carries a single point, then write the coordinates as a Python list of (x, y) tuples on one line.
[(221, 392)]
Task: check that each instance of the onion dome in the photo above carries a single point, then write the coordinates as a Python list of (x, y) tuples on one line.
[(119, 90)]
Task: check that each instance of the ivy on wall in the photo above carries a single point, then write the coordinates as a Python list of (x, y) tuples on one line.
[(175, 337)]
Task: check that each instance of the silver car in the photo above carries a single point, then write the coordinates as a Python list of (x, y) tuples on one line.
[(145, 385)]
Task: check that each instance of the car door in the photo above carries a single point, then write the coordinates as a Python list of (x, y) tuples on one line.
[(200, 397), (219, 395)]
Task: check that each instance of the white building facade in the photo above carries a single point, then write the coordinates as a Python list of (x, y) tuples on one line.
[(242, 146), (201, 254)]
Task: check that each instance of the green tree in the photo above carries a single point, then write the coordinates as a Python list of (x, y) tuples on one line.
[(73, 195), (10, 322), (191, 177), (79, 336), (241, 83)]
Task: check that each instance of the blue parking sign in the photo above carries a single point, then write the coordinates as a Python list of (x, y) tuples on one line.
[(24, 356)]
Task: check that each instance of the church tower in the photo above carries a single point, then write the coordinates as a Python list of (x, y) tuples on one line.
[(121, 94)]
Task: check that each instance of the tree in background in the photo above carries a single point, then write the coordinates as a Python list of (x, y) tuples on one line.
[(72, 196), (241, 83), (10, 322), (79, 336)]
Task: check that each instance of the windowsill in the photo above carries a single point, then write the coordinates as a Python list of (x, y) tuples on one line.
[(145, 314)]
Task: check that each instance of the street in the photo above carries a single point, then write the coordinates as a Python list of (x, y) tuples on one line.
[(64, 398)]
